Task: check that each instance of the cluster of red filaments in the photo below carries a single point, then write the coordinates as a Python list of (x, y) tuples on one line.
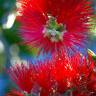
[(55, 78), (53, 25)]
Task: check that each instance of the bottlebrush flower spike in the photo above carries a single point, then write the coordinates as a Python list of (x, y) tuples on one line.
[(23, 76), (54, 78), (54, 25), (44, 79), (69, 72)]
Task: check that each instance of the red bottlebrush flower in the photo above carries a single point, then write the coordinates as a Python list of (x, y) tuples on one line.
[(54, 78), (54, 25), (75, 72), (85, 77), (23, 76), (14, 93), (65, 73), (44, 79)]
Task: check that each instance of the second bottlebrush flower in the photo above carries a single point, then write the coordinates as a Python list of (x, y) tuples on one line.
[(23, 76), (53, 25), (55, 78)]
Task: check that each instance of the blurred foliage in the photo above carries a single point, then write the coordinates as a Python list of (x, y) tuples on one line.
[(5, 7), (2, 61), (12, 37), (93, 27)]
